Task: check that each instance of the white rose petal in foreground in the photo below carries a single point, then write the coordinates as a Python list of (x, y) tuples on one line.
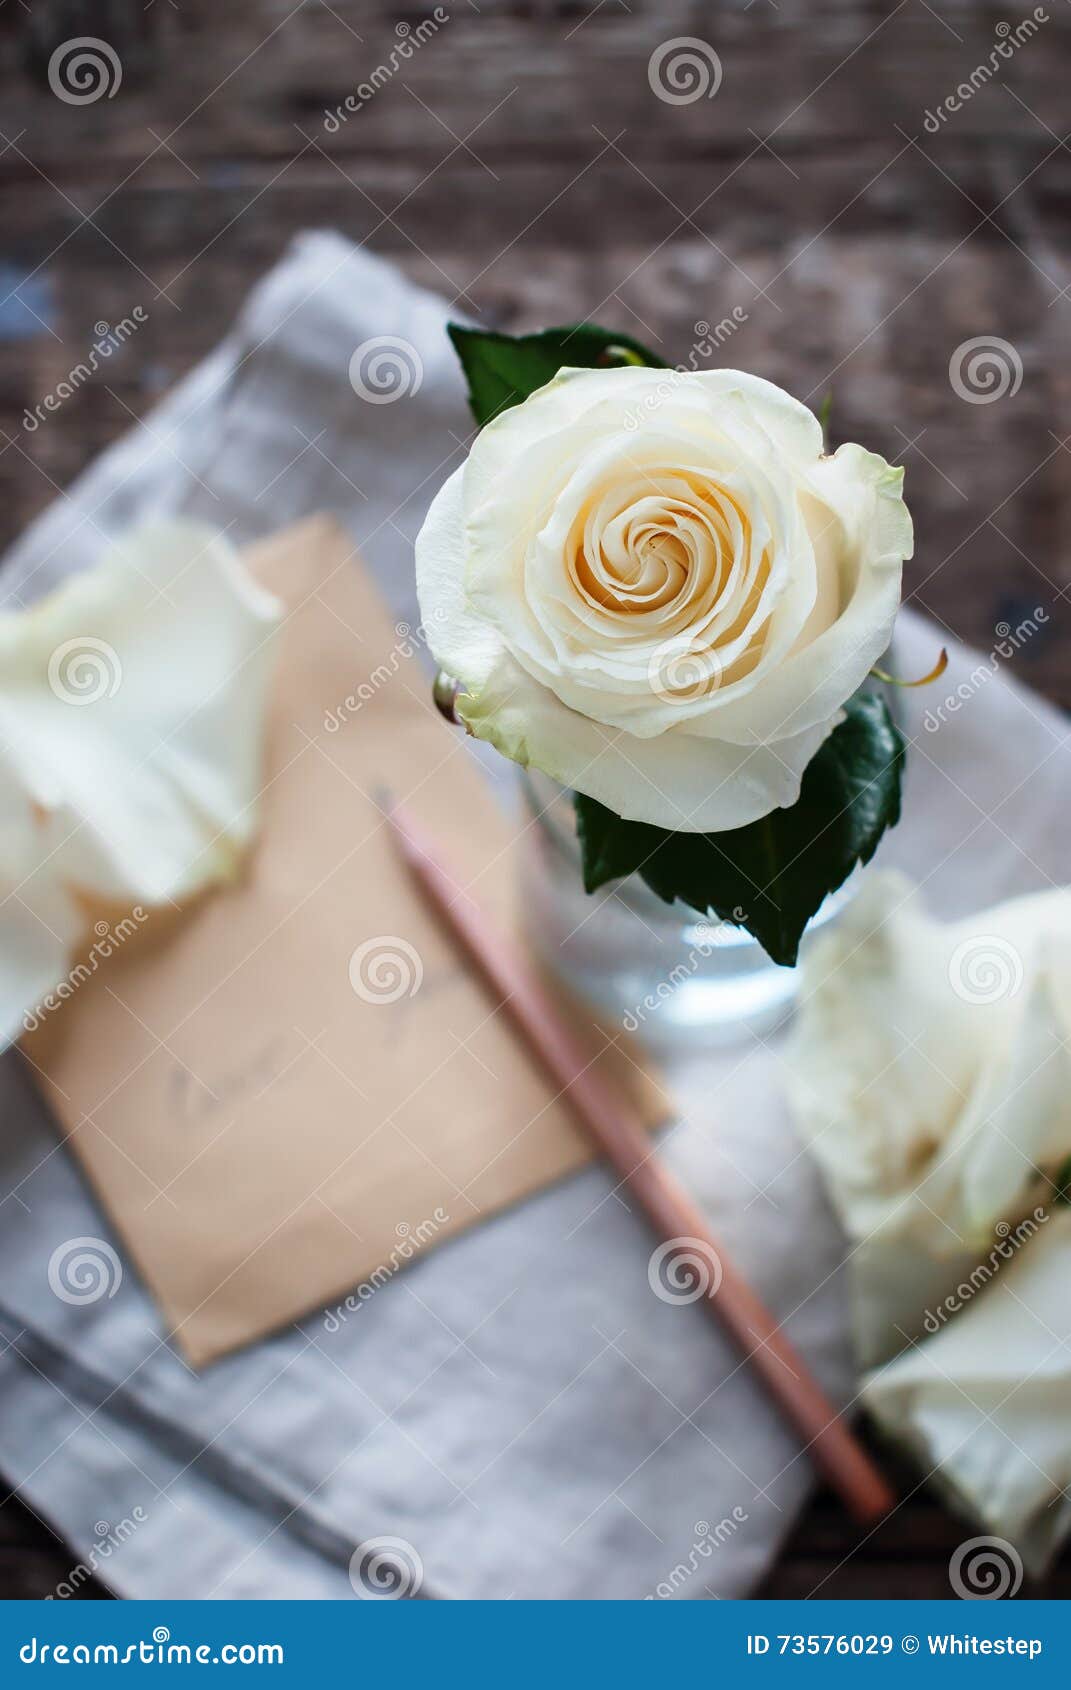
[(655, 587), (131, 714), (929, 1070), (984, 1402)]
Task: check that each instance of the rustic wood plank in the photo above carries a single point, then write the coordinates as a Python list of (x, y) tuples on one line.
[(34, 1561), (518, 160)]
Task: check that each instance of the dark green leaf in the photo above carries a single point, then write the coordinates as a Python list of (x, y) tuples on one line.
[(772, 875), (503, 369)]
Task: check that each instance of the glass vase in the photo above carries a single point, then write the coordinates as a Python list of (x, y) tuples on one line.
[(664, 972)]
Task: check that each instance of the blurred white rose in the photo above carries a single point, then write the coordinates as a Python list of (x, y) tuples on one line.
[(929, 1069), (132, 707), (655, 587), (930, 1073)]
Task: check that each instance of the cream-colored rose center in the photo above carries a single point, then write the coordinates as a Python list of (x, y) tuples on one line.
[(677, 564)]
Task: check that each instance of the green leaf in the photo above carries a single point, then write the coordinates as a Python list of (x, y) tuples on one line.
[(772, 875), (503, 369)]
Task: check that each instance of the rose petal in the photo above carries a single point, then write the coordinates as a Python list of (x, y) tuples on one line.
[(131, 715), (866, 536), (667, 556), (673, 781)]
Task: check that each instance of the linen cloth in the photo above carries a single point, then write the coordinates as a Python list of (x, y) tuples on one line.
[(517, 1404)]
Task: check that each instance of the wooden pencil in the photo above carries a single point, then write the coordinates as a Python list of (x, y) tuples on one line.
[(677, 1220)]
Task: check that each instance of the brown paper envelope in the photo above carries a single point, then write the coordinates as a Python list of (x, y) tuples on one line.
[(264, 1133)]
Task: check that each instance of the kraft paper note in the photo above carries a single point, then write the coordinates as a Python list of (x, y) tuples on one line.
[(296, 1082)]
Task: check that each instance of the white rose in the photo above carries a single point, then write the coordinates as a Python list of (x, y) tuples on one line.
[(929, 1071), (656, 588), (132, 707)]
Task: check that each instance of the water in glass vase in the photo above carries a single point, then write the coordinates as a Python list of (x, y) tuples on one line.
[(673, 977)]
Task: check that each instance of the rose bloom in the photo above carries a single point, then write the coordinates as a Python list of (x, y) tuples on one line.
[(928, 1071), (658, 589)]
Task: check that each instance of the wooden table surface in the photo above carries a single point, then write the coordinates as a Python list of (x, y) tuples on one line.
[(852, 228)]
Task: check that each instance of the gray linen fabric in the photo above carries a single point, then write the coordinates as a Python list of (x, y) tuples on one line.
[(516, 1404)]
